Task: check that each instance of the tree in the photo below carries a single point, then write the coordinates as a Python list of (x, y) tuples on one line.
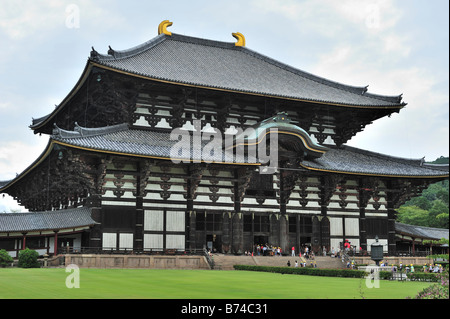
[(438, 214), (5, 258), (28, 258), (431, 208), (413, 215)]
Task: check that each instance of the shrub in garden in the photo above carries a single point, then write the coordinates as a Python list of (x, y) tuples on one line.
[(348, 273), (5, 258), (436, 291), (28, 258)]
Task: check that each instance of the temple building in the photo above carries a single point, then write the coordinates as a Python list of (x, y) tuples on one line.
[(113, 176)]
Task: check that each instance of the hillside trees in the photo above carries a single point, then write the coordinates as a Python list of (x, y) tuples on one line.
[(431, 209)]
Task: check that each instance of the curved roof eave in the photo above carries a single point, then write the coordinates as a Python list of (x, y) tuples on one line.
[(39, 160), (39, 122), (100, 60), (223, 89)]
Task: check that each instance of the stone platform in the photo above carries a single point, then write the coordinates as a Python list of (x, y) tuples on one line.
[(137, 261)]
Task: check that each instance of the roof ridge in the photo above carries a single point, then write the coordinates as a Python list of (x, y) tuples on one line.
[(397, 159), (361, 90), (80, 131), (428, 227), (203, 41), (122, 54)]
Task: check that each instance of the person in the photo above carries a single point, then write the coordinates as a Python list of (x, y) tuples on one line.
[(296, 264), (289, 263), (293, 251), (324, 251), (412, 268)]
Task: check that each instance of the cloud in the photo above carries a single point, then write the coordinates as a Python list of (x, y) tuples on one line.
[(330, 18), (420, 129), (21, 19), (16, 156), (9, 205)]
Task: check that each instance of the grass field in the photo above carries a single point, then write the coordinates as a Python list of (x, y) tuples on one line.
[(191, 284)]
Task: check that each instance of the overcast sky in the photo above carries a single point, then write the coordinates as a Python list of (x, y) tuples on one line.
[(393, 46)]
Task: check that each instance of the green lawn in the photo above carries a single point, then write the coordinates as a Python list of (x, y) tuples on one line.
[(191, 284)]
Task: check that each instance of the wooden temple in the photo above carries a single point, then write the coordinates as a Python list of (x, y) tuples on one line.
[(109, 154)]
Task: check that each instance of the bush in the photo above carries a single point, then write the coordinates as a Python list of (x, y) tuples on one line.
[(423, 276), (5, 258), (436, 291), (28, 258), (348, 273)]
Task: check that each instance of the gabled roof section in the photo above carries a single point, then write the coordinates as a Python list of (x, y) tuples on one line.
[(422, 232), (121, 140), (281, 125), (351, 160), (224, 66), (49, 220)]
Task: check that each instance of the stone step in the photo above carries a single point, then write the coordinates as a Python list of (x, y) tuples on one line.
[(226, 262)]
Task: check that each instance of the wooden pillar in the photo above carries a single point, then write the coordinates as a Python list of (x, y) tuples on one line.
[(315, 240), (192, 230), (55, 249), (95, 235), (284, 236), (391, 231), (237, 231), (24, 240), (142, 169), (226, 233)]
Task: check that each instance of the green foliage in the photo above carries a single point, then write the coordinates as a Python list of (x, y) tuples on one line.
[(28, 258), (412, 215), (423, 276), (436, 291), (431, 208), (5, 258), (441, 160), (347, 273)]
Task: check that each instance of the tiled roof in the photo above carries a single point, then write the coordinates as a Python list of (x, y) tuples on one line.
[(3, 183), (51, 220), (352, 160), (346, 159), (422, 231), (122, 140), (224, 66)]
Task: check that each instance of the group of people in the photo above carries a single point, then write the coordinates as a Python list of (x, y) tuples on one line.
[(302, 264), (436, 269), (267, 250), (409, 268)]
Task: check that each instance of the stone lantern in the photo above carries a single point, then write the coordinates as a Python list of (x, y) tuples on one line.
[(376, 251)]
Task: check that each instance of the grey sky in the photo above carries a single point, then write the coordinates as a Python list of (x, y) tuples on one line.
[(392, 46)]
